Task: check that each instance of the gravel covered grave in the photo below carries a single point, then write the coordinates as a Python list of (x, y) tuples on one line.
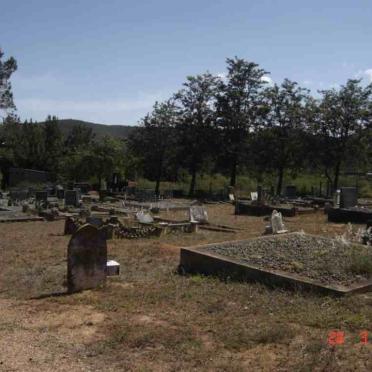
[(326, 260)]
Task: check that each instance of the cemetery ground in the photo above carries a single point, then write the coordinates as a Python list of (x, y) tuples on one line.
[(150, 318)]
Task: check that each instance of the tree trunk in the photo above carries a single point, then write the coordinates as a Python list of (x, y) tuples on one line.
[(192, 183), (157, 186), (233, 173), (337, 176), (280, 181), (158, 176)]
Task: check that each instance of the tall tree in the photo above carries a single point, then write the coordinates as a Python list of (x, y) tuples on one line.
[(196, 127), (284, 125), (7, 68), (79, 136), (342, 117), (106, 157), (240, 110), (154, 140), (31, 149), (53, 143)]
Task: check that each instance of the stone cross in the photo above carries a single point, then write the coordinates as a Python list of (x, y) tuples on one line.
[(86, 259)]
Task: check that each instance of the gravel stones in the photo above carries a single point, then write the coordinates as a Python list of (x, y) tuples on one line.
[(326, 260)]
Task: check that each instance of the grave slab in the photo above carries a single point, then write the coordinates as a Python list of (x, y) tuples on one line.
[(204, 259)]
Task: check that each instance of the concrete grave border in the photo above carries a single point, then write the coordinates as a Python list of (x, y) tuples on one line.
[(196, 261)]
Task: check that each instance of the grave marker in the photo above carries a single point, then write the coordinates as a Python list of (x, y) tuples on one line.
[(349, 197), (41, 199), (60, 193), (72, 198), (291, 192), (86, 259), (198, 214), (277, 225), (144, 217)]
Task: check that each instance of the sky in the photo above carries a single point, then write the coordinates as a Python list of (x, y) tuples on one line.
[(109, 61)]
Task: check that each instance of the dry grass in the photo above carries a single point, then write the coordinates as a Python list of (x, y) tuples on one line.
[(152, 319)]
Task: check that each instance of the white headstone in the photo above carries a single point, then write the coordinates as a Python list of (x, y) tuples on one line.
[(254, 195), (144, 217), (277, 225), (198, 214)]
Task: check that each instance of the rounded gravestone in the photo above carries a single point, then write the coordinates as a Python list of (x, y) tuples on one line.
[(86, 259)]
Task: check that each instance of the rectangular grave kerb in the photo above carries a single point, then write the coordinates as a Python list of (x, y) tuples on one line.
[(197, 260)]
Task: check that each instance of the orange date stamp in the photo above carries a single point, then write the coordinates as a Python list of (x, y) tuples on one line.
[(337, 337)]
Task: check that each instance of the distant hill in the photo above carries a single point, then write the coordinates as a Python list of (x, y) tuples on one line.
[(100, 130)]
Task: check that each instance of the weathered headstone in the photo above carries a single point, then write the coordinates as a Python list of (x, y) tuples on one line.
[(337, 199), (291, 192), (144, 217), (254, 196), (19, 194), (349, 197), (277, 225), (108, 231), (41, 199), (60, 193), (72, 198), (198, 214), (86, 259)]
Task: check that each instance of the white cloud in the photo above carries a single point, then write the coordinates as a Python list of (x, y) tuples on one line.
[(221, 75), (368, 73), (267, 79), (364, 74)]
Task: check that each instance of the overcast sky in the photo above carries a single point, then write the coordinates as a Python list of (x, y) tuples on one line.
[(109, 61)]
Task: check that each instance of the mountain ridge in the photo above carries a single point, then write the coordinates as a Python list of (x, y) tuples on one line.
[(100, 130)]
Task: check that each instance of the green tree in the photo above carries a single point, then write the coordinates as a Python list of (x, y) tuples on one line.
[(79, 136), (341, 120), (106, 157), (154, 141), (196, 131), (30, 151), (52, 143), (7, 68), (240, 110), (9, 142), (283, 128)]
